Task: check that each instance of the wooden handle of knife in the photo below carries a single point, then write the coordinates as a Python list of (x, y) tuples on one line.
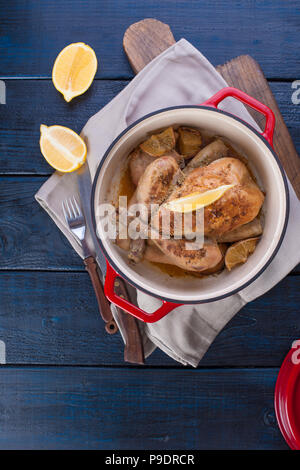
[(103, 304), (134, 350)]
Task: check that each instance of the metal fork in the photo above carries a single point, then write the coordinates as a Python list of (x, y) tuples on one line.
[(77, 224), (75, 220)]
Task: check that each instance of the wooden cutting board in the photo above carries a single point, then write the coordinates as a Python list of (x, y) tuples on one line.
[(145, 40)]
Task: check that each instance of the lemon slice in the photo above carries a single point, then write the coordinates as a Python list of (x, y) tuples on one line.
[(74, 70), (197, 200), (63, 149), (239, 252)]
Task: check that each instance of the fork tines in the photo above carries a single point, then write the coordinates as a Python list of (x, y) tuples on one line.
[(71, 208)]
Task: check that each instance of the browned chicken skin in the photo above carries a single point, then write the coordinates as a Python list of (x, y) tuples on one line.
[(139, 161), (201, 259), (154, 254), (159, 179), (153, 188), (239, 205)]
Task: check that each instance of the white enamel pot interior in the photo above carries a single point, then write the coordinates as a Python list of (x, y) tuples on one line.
[(262, 161)]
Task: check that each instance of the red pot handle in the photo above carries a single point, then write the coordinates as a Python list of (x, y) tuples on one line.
[(137, 312), (252, 102)]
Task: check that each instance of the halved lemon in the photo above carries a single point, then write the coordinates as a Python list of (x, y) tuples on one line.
[(197, 200), (239, 252), (63, 149), (74, 70)]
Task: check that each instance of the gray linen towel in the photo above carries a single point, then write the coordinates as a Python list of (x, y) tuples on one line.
[(180, 75)]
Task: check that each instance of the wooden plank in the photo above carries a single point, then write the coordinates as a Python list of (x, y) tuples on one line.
[(242, 72), (52, 318), (289, 111), (32, 33), (112, 409), (29, 238), (19, 136), (145, 40)]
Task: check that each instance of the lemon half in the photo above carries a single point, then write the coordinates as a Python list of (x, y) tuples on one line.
[(63, 149), (74, 70)]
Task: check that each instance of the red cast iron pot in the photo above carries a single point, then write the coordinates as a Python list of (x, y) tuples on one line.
[(263, 162)]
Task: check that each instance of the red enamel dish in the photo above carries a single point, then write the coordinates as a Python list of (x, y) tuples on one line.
[(265, 165), (287, 397)]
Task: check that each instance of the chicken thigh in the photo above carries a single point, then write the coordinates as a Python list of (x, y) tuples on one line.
[(139, 161), (198, 260), (153, 187)]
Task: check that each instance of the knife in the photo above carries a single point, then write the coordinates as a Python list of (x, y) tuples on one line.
[(133, 351)]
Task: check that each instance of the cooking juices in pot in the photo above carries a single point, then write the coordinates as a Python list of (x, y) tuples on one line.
[(184, 170)]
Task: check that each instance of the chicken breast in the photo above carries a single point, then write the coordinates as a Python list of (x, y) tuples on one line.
[(238, 206), (160, 179)]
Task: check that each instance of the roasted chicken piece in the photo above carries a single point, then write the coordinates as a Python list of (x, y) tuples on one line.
[(238, 206), (213, 151), (136, 246), (154, 254), (157, 181), (250, 230), (139, 160), (199, 260), (153, 188), (206, 260)]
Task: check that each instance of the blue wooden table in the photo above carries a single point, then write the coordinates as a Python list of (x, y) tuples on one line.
[(64, 384)]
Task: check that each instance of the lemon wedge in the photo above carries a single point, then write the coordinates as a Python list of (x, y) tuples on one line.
[(63, 149), (239, 252), (197, 200), (74, 70)]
